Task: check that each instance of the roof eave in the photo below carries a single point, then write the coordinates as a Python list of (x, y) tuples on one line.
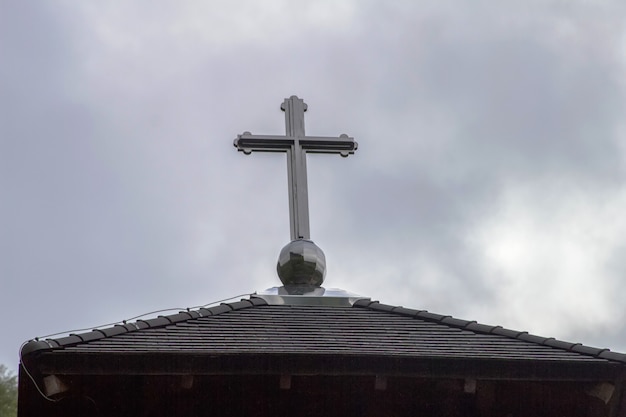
[(177, 363)]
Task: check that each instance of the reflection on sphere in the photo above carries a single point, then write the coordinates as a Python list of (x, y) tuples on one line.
[(301, 262)]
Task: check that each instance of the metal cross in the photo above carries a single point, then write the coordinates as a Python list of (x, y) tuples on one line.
[(296, 144)]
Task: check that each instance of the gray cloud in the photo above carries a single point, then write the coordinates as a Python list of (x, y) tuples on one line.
[(489, 150)]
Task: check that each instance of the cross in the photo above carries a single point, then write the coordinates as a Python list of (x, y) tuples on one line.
[(297, 145)]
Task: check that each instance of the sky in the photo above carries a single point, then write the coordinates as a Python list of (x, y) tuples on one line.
[(489, 183)]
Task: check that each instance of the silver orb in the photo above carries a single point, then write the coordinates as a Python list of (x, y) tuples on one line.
[(301, 262)]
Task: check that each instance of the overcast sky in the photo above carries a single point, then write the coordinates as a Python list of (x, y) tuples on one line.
[(489, 183)]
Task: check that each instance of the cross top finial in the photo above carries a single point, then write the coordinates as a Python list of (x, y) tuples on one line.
[(296, 144), (283, 105)]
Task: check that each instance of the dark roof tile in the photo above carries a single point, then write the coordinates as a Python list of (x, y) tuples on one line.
[(380, 307), (425, 315), (559, 344), (157, 322), (205, 312), (404, 311), (34, 346), (613, 356), (257, 301), (240, 304), (68, 340), (193, 313), (140, 324), (53, 343), (363, 302), (89, 336), (128, 326), (113, 331), (451, 321), (222, 308), (182, 316), (480, 328), (532, 338), (587, 350), (506, 332)]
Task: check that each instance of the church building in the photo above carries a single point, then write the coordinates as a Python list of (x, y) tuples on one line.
[(302, 349)]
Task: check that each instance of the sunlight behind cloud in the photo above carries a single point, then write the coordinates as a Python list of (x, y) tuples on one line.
[(549, 244)]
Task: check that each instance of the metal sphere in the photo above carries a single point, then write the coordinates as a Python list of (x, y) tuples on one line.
[(301, 262)]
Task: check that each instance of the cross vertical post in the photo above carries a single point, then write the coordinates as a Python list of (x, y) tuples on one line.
[(294, 109)]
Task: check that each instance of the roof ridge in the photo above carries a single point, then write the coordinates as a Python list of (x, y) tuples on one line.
[(473, 326), (36, 344)]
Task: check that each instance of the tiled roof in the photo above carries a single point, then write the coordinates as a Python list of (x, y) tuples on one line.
[(252, 328)]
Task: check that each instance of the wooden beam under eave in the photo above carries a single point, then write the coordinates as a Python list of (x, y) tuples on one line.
[(619, 407), (285, 382)]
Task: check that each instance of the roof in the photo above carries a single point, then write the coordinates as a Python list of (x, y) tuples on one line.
[(365, 337)]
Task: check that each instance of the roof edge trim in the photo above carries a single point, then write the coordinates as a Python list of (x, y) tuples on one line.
[(473, 326), (39, 345)]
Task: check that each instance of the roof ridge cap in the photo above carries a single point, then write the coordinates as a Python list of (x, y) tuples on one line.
[(474, 326), (38, 345)]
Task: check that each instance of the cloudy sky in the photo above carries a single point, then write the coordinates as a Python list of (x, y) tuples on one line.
[(489, 184)]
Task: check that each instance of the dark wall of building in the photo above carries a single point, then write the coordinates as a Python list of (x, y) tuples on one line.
[(328, 396)]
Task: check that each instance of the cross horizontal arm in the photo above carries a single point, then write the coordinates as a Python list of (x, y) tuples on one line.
[(248, 143)]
